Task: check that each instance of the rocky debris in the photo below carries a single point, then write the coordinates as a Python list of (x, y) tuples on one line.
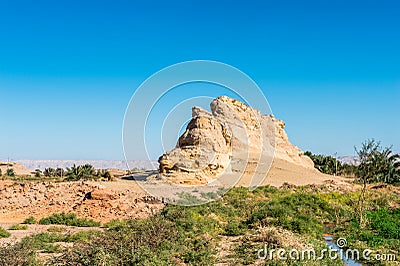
[(102, 194), (19, 200), (234, 141)]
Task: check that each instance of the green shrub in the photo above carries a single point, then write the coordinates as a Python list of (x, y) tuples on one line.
[(18, 254), (85, 236), (44, 241), (68, 219), (30, 220), (385, 223), (18, 227), (4, 233), (233, 229), (153, 241)]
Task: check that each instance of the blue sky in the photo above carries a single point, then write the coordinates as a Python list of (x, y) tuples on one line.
[(329, 69)]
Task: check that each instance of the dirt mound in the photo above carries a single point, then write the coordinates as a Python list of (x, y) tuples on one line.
[(18, 168)]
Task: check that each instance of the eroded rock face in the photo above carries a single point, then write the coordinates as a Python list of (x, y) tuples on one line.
[(202, 152), (234, 140)]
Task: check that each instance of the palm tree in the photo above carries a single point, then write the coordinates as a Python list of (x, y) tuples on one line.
[(59, 172), (49, 172), (73, 173), (86, 171), (10, 172), (38, 173)]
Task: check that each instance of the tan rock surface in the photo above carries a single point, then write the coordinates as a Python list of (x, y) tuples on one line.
[(234, 142)]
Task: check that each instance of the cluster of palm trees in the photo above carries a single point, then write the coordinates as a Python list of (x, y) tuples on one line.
[(77, 172), (330, 165)]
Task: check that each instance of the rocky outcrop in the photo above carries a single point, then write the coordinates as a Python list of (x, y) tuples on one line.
[(232, 142)]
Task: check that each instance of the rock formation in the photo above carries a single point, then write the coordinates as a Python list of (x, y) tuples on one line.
[(232, 142)]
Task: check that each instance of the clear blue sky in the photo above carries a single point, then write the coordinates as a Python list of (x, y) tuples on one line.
[(330, 69)]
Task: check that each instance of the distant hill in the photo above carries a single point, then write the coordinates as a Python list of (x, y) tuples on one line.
[(98, 164)]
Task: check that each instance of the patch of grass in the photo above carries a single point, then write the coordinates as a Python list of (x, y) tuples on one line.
[(299, 212), (115, 224), (30, 220), (69, 219), (85, 236), (56, 229), (44, 242), (4, 233), (18, 227)]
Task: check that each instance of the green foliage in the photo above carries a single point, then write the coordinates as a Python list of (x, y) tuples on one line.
[(10, 172), (233, 229), (38, 173), (381, 231), (85, 236), (4, 233), (68, 219), (18, 227), (377, 164), (301, 213), (330, 165), (49, 172), (18, 254), (44, 241), (30, 220), (79, 172), (385, 223), (152, 241)]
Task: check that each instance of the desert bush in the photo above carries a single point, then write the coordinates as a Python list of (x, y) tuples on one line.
[(18, 254), (18, 227), (4, 233), (85, 236), (68, 219), (44, 241), (138, 242), (30, 220)]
